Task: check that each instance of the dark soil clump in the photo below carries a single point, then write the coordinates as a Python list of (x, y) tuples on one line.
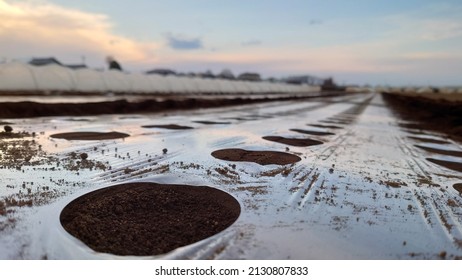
[(145, 219), (260, 157), (88, 136), (298, 142)]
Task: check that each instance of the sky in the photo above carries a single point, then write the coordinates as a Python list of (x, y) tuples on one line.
[(375, 42)]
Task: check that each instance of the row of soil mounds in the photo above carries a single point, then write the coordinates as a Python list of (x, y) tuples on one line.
[(27, 109), (436, 115)]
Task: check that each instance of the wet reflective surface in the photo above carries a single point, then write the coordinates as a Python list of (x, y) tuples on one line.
[(366, 192)]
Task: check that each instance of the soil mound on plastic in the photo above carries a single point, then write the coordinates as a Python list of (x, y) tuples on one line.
[(211, 122), (87, 136), (326, 126), (440, 151), (298, 142), (457, 166), (145, 219), (168, 126), (312, 132), (428, 140), (260, 157), (458, 187)]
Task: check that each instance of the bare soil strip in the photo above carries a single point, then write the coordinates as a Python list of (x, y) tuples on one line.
[(436, 115), (28, 109)]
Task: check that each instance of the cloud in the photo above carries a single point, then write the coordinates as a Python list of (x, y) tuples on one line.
[(435, 30), (435, 22), (182, 43), (34, 28), (253, 42)]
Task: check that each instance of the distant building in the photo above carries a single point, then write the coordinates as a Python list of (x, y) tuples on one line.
[(255, 77), (330, 85), (163, 72), (44, 61)]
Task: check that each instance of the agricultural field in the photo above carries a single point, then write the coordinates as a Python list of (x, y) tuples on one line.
[(350, 176)]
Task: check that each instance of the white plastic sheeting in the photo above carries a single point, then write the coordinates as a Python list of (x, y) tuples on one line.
[(88, 80), (19, 77), (16, 76)]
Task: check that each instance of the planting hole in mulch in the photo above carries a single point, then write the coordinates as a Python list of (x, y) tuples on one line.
[(168, 126), (146, 219), (211, 122), (428, 140), (335, 122), (440, 151), (453, 165), (260, 157), (312, 132), (458, 187), (90, 135), (326, 126), (298, 142)]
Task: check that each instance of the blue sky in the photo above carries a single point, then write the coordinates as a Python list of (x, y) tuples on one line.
[(405, 42)]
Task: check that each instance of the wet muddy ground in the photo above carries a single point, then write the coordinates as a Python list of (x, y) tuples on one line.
[(344, 177)]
